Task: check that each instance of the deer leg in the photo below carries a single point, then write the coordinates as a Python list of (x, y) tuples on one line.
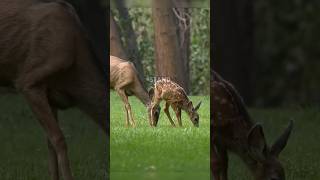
[(223, 163), (215, 167), (38, 100), (178, 114), (53, 160), (125, 99), (154, 104), (166, 110), (220, 163)]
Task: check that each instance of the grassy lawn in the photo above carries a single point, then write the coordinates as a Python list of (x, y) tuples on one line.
[(301, 157), (158, 153), (23, 148), (144, 152)]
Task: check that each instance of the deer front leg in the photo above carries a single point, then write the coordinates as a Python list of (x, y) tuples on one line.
[(223, 162), (127, 106), (53, 160), (154, 104), (177, 110), (166, 110), (215, 164), (37, 98), (219, 163)]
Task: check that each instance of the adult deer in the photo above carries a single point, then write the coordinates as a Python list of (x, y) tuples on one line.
[(233, 130), (45, 55), (125, 81), (174, 96)]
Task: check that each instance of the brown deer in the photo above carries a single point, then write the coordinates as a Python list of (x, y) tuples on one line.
[(124, 79), (233, 130), (174, 96), (46, 56)]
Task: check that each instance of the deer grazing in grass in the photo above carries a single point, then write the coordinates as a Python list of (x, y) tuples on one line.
[(124, 79), (46, 56), (233, 130), (174, 96)]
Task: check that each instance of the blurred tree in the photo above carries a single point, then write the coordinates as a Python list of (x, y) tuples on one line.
[(129, 37), (287, 47), (116, 48), (233, 38), (169, 62), (183, 19)]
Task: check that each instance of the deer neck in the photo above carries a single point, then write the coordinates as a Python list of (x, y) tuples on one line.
[(185, 107), (144, 97)]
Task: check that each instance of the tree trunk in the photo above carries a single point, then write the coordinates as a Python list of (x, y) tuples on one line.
[(233, 42), (116, 48), (183, 22), (130, 37), (168, 60)]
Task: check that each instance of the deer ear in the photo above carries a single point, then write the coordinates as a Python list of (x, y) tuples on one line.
[(257, 143), (281, 142), (198, 106), (151, 92)]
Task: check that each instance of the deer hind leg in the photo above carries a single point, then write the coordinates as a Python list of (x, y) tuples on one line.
[(215, 168), (223, 163), (37, 98), (53, 159), (166, 110), (127, 106), (219, 163), (177, 110)]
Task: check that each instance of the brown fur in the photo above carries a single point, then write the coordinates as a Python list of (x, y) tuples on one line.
[(45, 55), (233, 130), (174, 96), (125, 81)]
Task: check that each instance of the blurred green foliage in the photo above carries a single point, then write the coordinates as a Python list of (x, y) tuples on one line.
[(200, 45), (287, 42)]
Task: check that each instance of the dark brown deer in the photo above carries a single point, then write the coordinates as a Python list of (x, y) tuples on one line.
[(174, 96), (124, 79), (233, 130), (45, 55)]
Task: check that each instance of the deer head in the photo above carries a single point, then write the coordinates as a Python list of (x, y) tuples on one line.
[(193, 114), (155, 115), (266, 165)]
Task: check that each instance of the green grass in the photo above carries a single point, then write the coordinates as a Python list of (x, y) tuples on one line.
[(144, 152), (23, 144), (301, 157), (162, 152)]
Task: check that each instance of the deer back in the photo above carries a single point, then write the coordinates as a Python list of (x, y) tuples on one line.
[(228, 106)]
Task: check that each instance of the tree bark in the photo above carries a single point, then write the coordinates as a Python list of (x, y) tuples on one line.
[(233, 42), (183, 22), (116, 48), (168, 60), (130, 37)]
